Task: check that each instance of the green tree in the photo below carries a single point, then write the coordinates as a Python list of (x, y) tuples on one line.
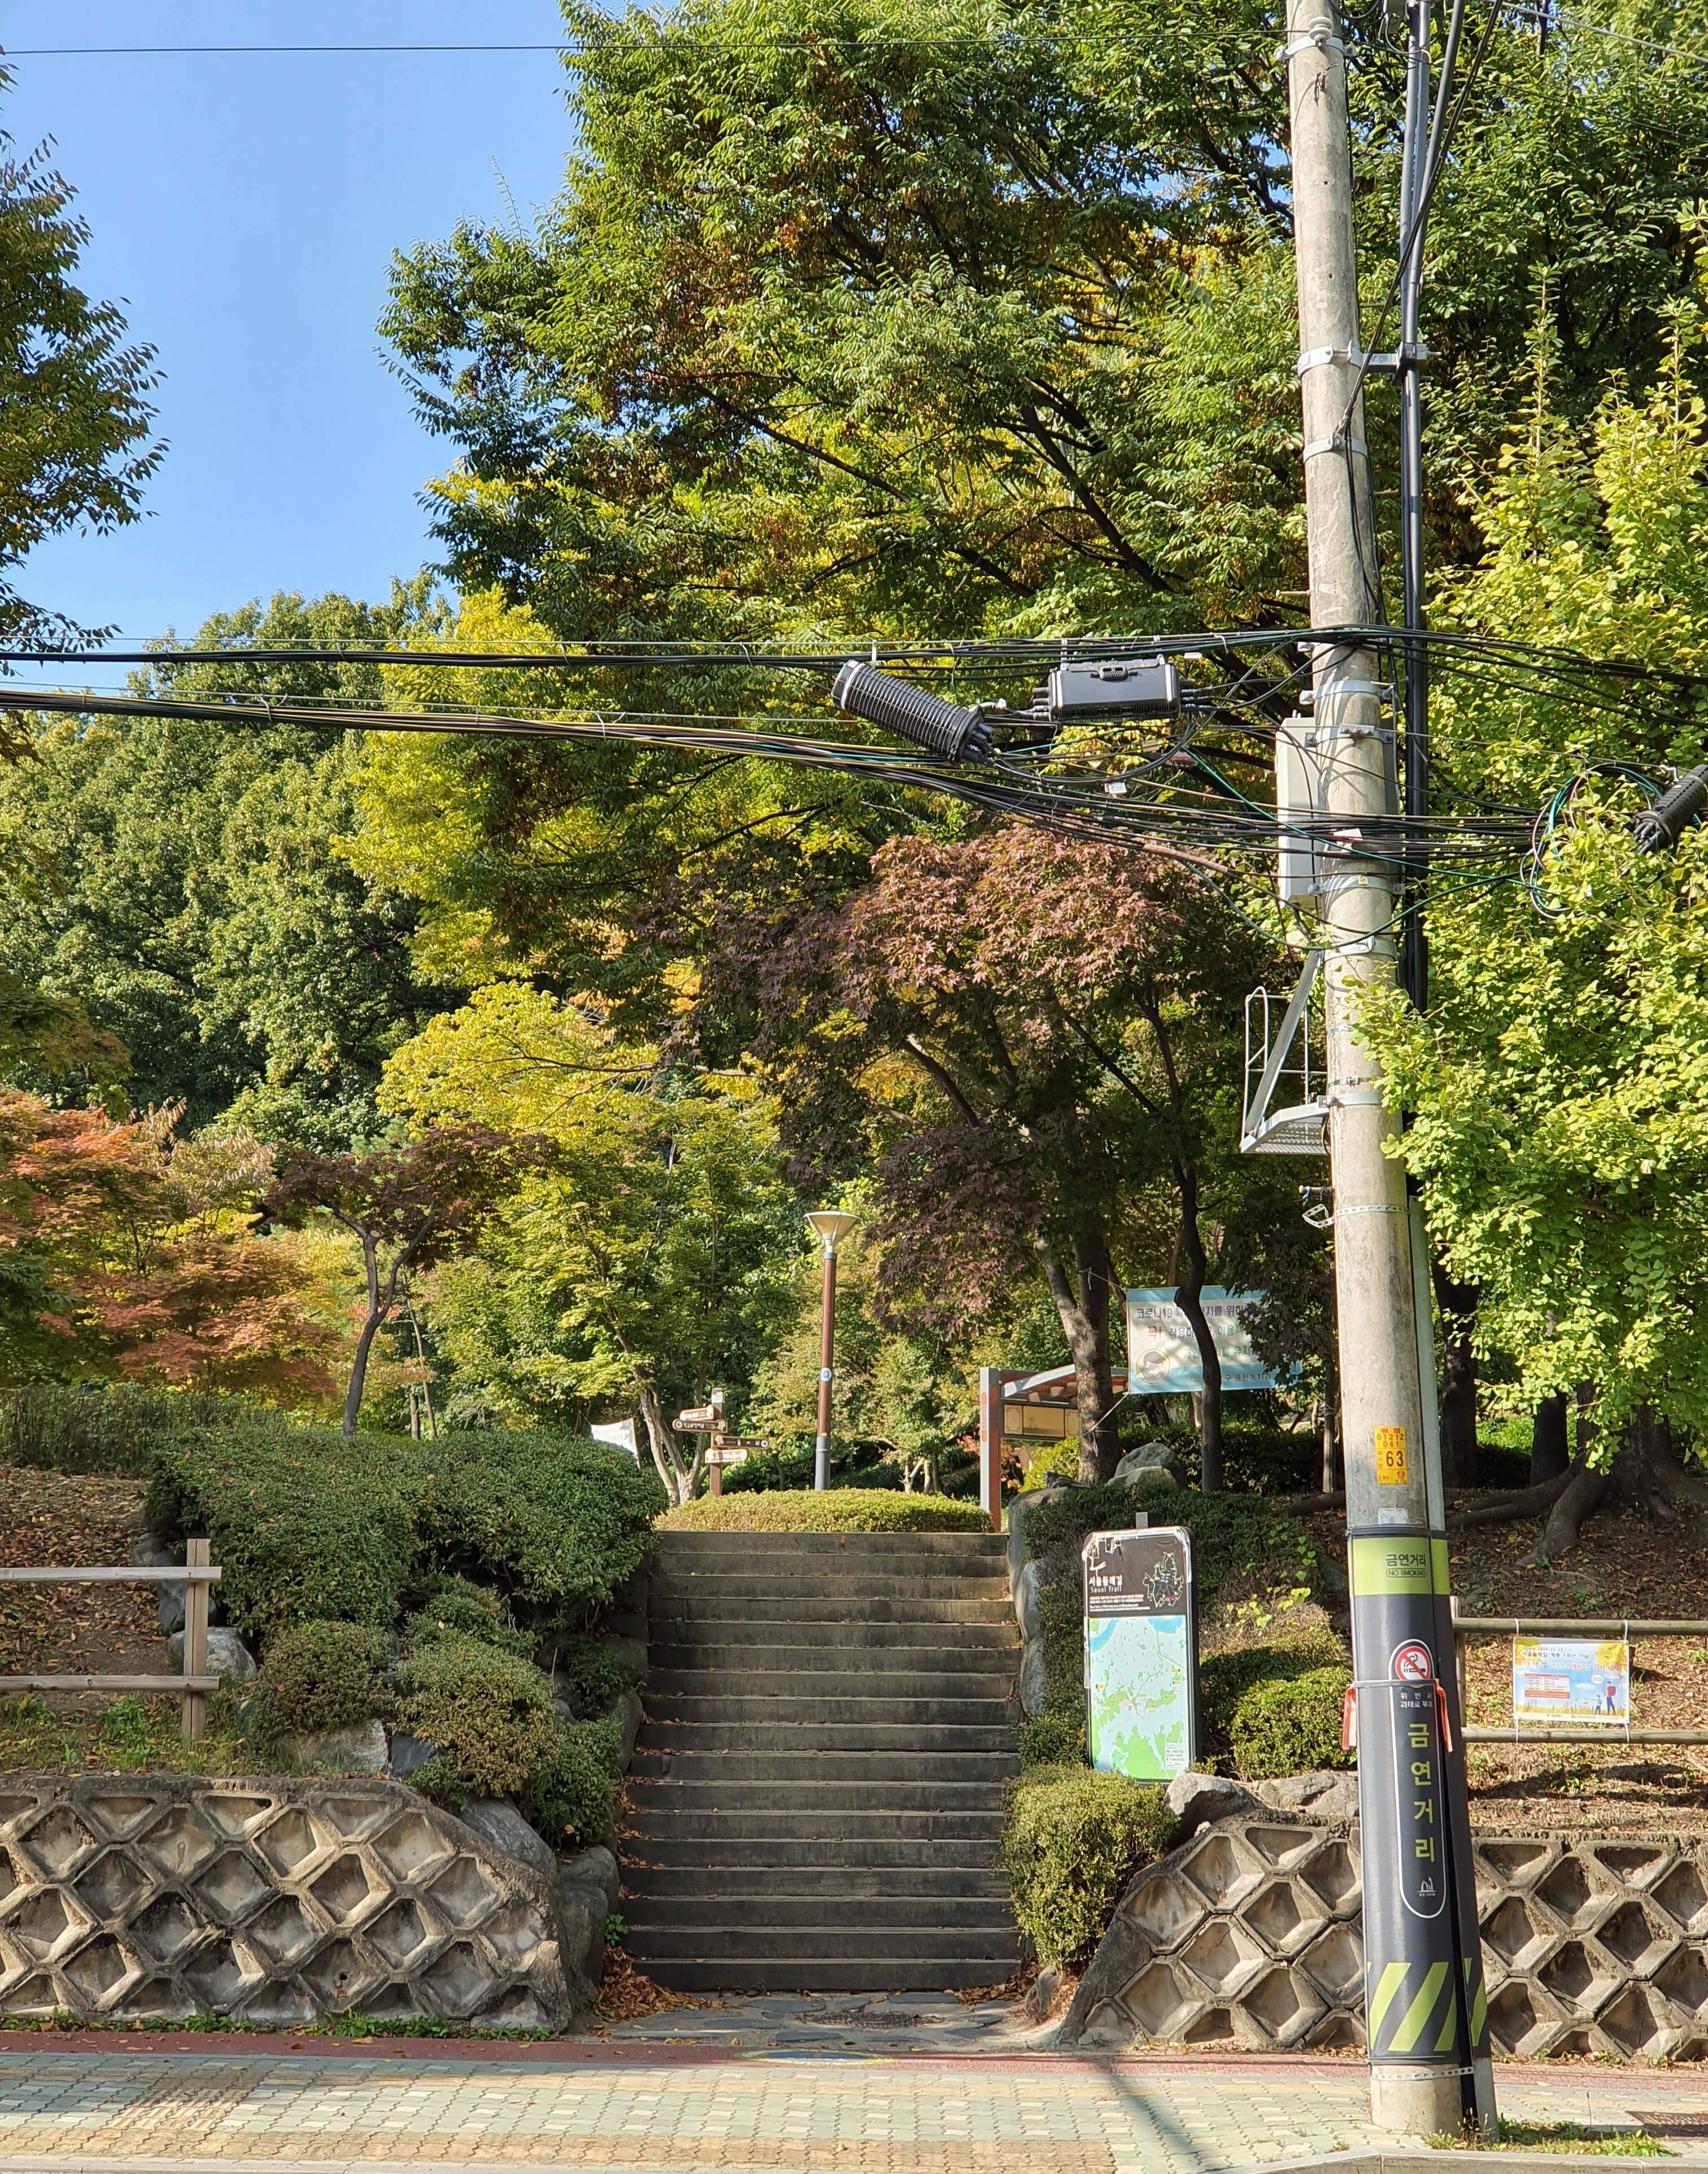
[(1560, 1079), (647, 1262), (75, 418), (185, 882)]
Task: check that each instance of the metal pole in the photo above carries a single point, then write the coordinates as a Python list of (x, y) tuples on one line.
[(827, 1354), (1422, 2022)]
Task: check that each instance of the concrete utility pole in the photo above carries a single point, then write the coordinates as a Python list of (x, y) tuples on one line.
[(1424, 2005)]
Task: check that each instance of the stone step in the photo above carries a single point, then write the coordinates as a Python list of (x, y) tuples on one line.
[(962, 1546), (817, 1686), (653, 1800), (849, 1586), (847, 1833), (689, 1632), (805, 1647), (756, 1606), (830, 1943), (697, 1705), (788, 1739), (983, 1915), (756, 1847), (806, 1974), (790, 1770), (735, 1884)]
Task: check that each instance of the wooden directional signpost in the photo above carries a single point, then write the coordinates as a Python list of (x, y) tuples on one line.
[(721, 1449)]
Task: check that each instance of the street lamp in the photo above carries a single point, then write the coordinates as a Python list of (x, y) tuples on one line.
[(832, 1225)]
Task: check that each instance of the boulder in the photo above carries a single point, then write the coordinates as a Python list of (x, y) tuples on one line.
[(1017, 1528), (151, 1554), (595, 1869), (228, 1657), (1148, 1457), (587, 1895), (359, 1750), (1041, 1998), (629, 1653), (408, 1753), (625, 1717), (499, 1823), (1026, 1606), (1032, 1682), (1326, 1794), (1196, 1799)]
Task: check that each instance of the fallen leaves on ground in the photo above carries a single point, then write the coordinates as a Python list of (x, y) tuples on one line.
[(625, 1996)]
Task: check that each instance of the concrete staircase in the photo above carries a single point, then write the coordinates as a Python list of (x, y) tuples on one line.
[(816, 1789)]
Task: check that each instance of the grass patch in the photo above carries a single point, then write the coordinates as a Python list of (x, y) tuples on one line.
[(133, 1736), (1556, 2136), (213, 2024), (838, 1510)]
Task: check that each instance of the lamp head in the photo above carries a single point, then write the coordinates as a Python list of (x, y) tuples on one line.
[(832, 1225)]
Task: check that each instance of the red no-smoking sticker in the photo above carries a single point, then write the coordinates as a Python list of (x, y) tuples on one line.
[(1412, 1664)]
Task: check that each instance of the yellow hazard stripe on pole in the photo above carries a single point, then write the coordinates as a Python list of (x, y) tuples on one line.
[(1392, 1978), (1478, 1996), (1418, 2014)]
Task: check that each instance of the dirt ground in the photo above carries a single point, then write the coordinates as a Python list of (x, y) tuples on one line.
[(57, 1521), (1624, 1565)]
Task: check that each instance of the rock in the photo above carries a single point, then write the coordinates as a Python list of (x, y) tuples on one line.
[(564, 1711), (1026, 1607), (1017, 1529), (1038, 2002), (595, 1869), (501, 1824), (151, 1554), (360, 1749), (1326, 1794), (625, 1717), (408, 1753), (1032, 1683), (228, 1657), (1148, 1457), (582, 1929), (629, 1653), (1193, 1798), (1154, 1476)]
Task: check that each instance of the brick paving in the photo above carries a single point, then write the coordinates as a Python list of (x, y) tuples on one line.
[(620, 2108)]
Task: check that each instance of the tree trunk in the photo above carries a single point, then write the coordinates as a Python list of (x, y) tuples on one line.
[(1457, 1303), (1189, 1298), (1331, 1443), (364, 1342), (1084, 1318), (1550, 1454), (1645, 1474), (679, 1479)]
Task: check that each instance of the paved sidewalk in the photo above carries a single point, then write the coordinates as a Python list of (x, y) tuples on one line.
[(694, 2107)]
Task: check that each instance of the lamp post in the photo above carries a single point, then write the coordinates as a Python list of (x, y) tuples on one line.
[(832, 1225)]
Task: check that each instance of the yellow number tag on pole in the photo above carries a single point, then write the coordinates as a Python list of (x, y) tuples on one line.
[(1390, 1456)]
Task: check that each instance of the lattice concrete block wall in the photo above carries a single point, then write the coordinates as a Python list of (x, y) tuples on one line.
[(1250, 1934), (273, 1902)]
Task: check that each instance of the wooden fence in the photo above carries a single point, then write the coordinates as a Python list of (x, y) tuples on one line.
[(196, 1574)]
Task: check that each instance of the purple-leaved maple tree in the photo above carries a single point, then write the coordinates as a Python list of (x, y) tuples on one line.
[(1019, 1031)]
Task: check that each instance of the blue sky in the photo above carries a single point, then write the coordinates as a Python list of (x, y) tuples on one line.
[(246, 209)]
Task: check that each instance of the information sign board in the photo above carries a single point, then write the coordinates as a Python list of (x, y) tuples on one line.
[(1162, 1352), (1571, 1681), (1141, 1654)]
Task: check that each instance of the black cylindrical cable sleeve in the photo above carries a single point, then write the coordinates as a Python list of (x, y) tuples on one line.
[(900, 707), (1673, 813)]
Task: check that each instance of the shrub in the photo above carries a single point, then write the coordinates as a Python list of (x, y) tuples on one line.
[(839, 1510), (1051, 1460), (559, 1522), (1054, 1739), (306, 1526), (591, 1677), (1276, 1709), (488, 1713), (116, 1431), (1071, 1841), (453, 1604), (571, 1797), (317, 1676)]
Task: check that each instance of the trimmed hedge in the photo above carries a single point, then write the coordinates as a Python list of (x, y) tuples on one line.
[(1053, 1739), (839, 1510), (488, 1713), (305, 1526), (570, 1796), (317, 1676), (116, 1431), (1276, 1709), (1071, 1841), (559, 1522), (474, 1610)]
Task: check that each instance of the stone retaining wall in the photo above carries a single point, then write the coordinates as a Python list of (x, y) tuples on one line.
[(273, 1902), (1251, 1935)]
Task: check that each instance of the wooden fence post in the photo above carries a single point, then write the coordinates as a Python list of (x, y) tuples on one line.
[(195, 1639)]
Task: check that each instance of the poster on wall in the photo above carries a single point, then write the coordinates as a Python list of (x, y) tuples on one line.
[(1571, 1682), (1141, 1654), (1162, 1352)]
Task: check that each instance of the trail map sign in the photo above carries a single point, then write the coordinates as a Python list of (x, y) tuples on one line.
[(1141, 1654), (1570, 1681), (1162, 1353)]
